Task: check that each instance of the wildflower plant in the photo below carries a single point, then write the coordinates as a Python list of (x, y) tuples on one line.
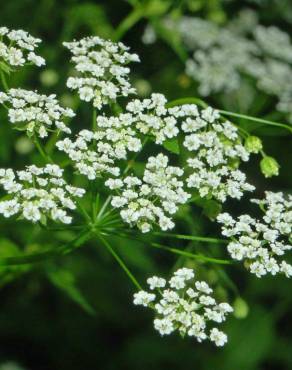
[(101, 181)]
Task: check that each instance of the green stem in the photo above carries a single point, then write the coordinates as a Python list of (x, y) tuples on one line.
[(193, 100), (202, 239), (51, 253), (179, 251), (42, 152), (190, 255), (51, 144), (83, 212), (132, 18), (190, 100), (255, 119), (119, 260), (94, 123), (3, 80), (104, 206)]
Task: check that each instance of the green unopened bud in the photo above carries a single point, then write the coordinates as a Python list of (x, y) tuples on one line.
[(49, 77), (234, 163), (240, 308), (253, 144), (269, 167)]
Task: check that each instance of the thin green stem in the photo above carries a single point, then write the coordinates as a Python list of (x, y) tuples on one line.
[(42, 151), (178, 251), (131, 19), (51, 253), (255, 119), (189, 100), (83, 212), (202, 239), (193, 100), (191, 255), (3, 80), (94, 123), (119, 260), (104, 206), (51, 144)]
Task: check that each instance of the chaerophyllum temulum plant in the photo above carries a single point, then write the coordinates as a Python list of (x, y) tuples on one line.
[(196, 156)]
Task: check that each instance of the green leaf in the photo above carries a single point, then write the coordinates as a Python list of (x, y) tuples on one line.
[(172, 146), (65, 281)]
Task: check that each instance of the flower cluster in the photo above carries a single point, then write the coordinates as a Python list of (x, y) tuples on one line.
[(217, 151), (223, 56), (103, 70), (185, 306), (262, 243), (151, 117), (153, 199), (17, 48), (38, 193), (95, 153), (36, 113)]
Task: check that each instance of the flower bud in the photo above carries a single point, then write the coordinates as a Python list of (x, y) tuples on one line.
[(253, 144), (269, 167), (241, 308)]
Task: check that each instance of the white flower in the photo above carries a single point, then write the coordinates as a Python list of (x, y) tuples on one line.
[(222, 57), (36, 113), (101, 65), (143, 298), (163, 326), (218, 337), (156, 282), (151, 117), (262, 243), (191, 314), (144, 203), (17, 48), (215, 147), (96, 153), (38, 192)]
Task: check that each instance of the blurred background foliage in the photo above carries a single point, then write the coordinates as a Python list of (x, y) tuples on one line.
[(75, 312)]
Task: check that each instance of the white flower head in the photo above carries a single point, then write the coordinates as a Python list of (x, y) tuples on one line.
[(38, 192), (36, 113), (216, 151), (152, 199), (187, 308), (17, 48), (102, 68), (262, 243)]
